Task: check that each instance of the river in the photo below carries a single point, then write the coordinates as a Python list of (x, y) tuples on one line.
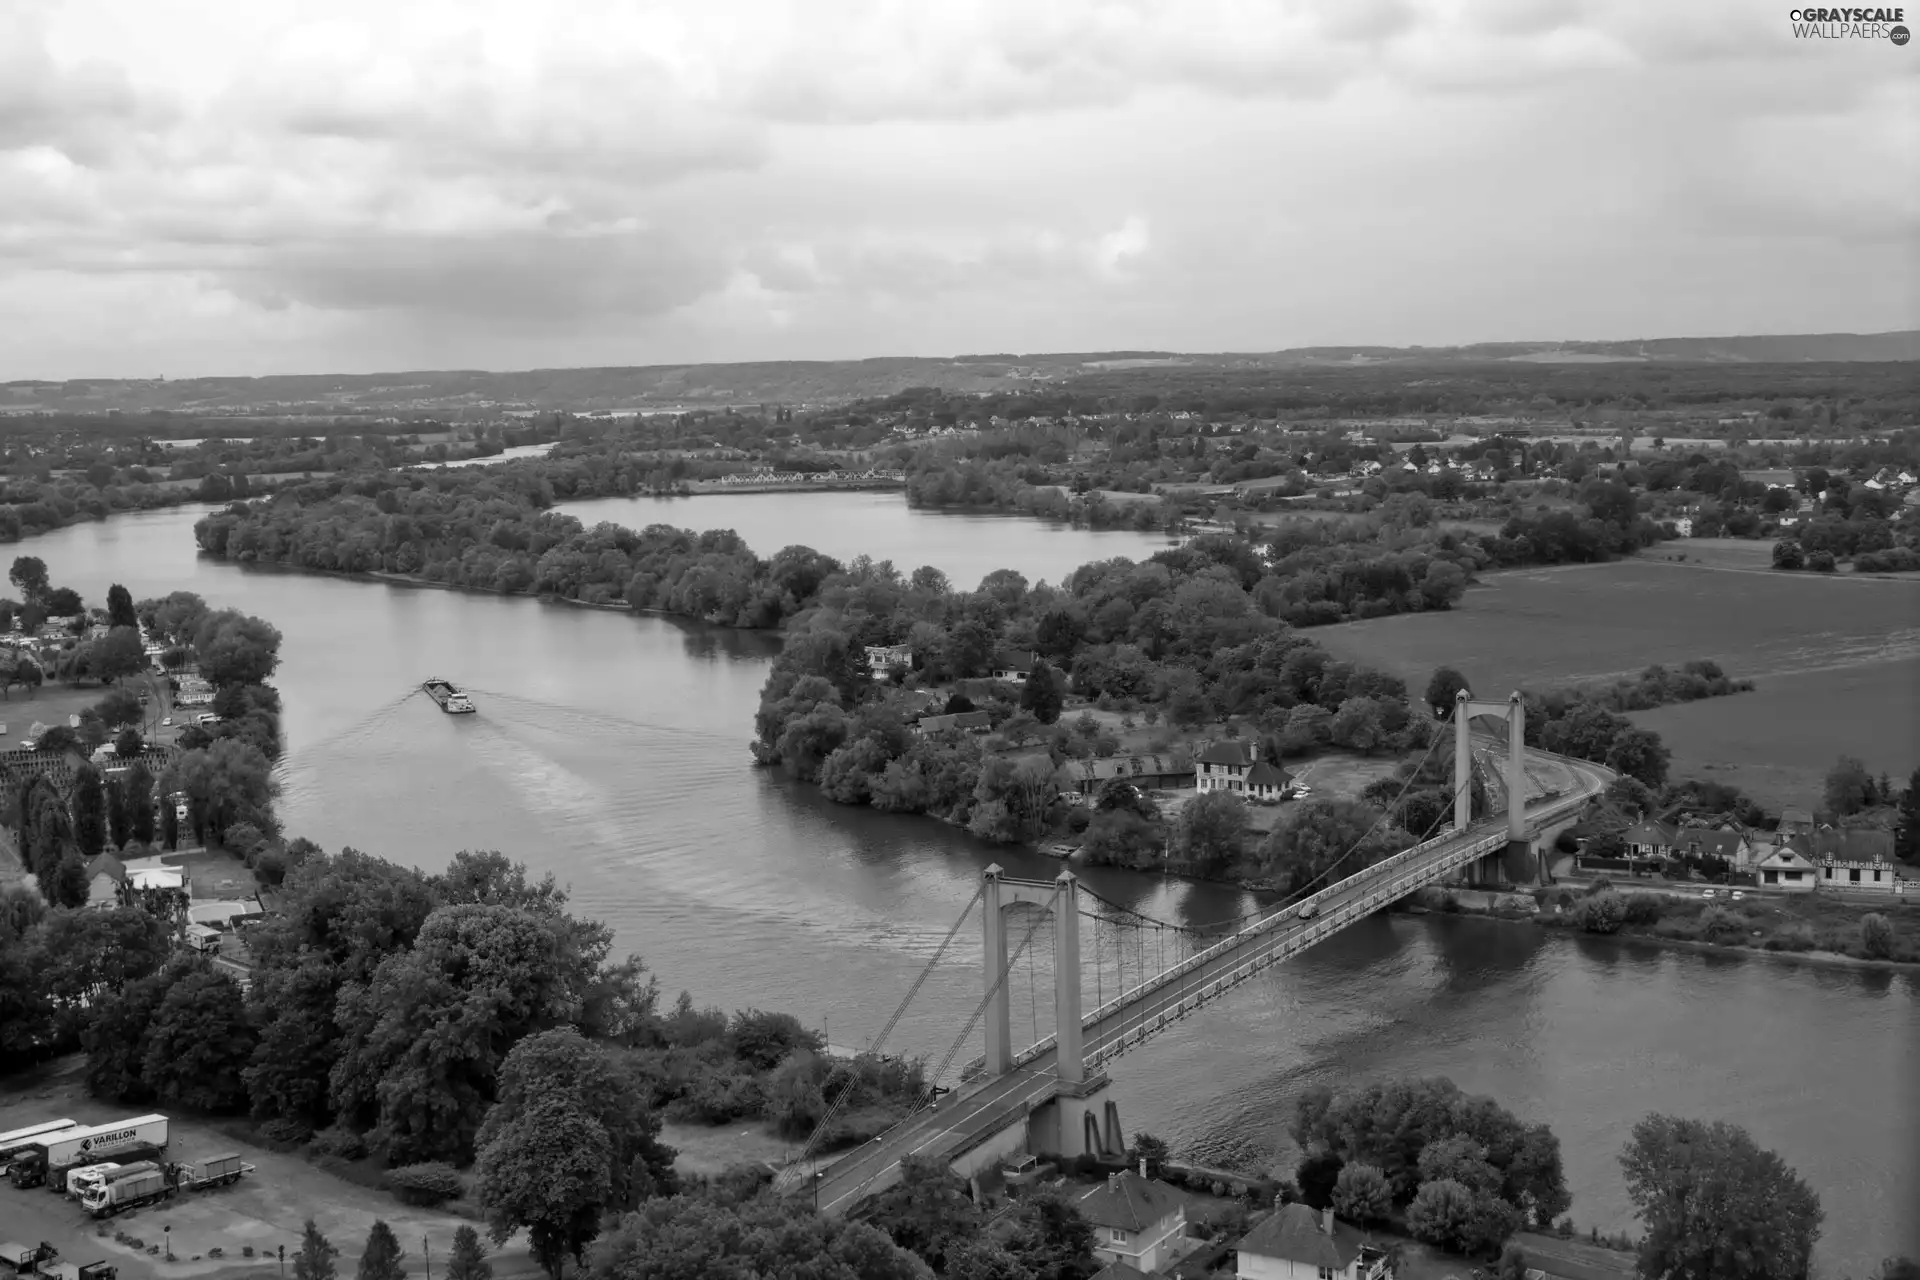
[(611, 749)]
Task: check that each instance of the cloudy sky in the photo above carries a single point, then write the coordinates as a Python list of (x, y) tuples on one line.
[(193, 187)]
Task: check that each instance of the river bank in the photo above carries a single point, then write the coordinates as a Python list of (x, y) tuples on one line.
[(1530, 908)]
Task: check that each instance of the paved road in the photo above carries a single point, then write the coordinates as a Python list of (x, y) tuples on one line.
[(1130, 1018)]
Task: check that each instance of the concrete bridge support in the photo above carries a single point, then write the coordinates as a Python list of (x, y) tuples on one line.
[(1514, 712), (1060, 896)]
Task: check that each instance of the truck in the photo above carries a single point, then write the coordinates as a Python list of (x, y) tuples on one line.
[(80, 1181), (147, 1187), (71, 1271), (48, 1159), (15, 1141), (19, 1259), (210, 1171)]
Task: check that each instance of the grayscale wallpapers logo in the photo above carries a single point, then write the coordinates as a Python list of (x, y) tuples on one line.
[(1849, 24)]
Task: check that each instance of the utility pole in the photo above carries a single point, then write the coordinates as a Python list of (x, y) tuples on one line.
[(426, 1256)]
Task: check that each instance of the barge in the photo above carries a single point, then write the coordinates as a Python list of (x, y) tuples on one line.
[(449, 696)]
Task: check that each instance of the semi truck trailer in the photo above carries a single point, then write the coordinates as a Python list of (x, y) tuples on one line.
[(49, 1158)]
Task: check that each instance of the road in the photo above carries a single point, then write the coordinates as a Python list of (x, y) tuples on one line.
[(1132, 1017)]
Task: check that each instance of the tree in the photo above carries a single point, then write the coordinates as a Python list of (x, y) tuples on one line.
[(928, 1211), (200, 1041), (120, 607), (697, 1238), (89, 811), (468, 1261), (1876, 936), (1788, 555), (1149, 1148), (1318, 1175), (380, 1260), (118, 654), (314, 1261), (562, 1064), (1715, 1203), (1639, 754), (68, 885), (29, 573), (120, 707), (62, 602), (547, 1170), (1441, 691), (1362, 1194), (129, 743), (1044, 693), (1212, 829), (1849, 787), (236, 649), (1441, 1214)]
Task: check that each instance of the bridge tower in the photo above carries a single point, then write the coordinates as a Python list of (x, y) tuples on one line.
[(1066, 1125), (1514, 712)]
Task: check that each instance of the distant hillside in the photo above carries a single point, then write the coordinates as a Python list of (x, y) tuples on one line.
[(800, 383)]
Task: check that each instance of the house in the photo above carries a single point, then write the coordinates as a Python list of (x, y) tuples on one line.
[(1730, 846), (1649, 840), (1854, 860), (962, 721), (1295, 1243), (1012, 667), (1785, 867), (1119, 1271), (1141, 770), (1795, 821), (1236, 766), (1683, 526), (1135, 1220), (883, 658), (105, 875)]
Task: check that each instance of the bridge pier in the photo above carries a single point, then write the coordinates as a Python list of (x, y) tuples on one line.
[(1080, 1120), (1061, 896), (1514, 712)]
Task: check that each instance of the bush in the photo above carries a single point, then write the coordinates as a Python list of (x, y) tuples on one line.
[(1717, 924), (1602, 913), (425, 1185), (1876, 937), (339, 1142), (287, 1132), (1642, 908)]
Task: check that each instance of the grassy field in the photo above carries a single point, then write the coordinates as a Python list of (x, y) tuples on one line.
[(1837, 659)]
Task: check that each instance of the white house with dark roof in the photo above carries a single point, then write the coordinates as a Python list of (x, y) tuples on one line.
[(1781, 866), (1012, 666), (1295, 1243), (1136, 1221), (1236, 766)]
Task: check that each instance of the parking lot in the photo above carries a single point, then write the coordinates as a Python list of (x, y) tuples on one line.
[(263, 1211)]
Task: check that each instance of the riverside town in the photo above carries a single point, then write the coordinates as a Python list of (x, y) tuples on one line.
[(678, 643)]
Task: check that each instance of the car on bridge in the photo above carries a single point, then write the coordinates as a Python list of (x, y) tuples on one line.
[(1309, 911)]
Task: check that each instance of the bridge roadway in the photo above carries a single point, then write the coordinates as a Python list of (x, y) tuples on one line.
[(959, 1120)]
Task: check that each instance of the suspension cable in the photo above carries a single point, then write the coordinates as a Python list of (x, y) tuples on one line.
[(932, 1081), (1033, 1000), (840, 1102)]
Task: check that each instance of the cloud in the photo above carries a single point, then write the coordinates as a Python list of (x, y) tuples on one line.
[(244, 185)]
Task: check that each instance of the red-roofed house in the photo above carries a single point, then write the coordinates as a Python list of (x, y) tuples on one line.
[(1136, 1220), (1237, 767), (1295, 1243)]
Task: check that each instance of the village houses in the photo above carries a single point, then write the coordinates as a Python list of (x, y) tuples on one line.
[(1236, 766), (1295, 1243), (1136, 1221)]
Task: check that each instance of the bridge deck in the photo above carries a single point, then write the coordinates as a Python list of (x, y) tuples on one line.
[(963, 1118)]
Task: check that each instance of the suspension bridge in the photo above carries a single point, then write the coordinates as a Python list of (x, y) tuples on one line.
[(1049, 1098)]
